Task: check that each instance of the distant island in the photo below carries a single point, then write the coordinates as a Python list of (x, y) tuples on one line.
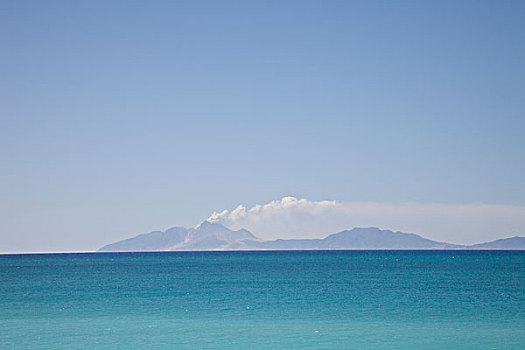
[(214, 236)]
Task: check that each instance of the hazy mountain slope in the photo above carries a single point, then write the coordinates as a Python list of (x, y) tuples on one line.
[(357, 238), (374, 238), (517, 243), (206, 236), (156, 240)]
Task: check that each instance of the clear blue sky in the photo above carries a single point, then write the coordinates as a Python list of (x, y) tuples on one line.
[(135, 115)]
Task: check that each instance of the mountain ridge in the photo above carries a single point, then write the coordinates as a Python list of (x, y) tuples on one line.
[(214, 236)]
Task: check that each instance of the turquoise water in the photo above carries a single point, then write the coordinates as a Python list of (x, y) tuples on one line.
[(264, 300)]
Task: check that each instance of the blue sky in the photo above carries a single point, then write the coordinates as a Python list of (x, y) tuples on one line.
[(123, 117)]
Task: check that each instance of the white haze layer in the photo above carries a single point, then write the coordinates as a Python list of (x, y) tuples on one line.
[(301, 218)]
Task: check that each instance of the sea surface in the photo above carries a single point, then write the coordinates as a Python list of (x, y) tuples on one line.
[(264, 300)]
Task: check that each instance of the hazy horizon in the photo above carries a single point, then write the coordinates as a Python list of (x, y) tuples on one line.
[(293, 218)]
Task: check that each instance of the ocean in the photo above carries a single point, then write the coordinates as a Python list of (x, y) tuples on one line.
[(264, 300)]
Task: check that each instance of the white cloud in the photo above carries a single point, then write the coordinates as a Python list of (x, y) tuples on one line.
[(301, 218)]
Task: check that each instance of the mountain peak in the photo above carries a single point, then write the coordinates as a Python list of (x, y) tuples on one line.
[(207, 224), (368, 229)]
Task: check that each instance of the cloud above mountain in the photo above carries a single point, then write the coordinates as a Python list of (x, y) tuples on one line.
[(291, 217)]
